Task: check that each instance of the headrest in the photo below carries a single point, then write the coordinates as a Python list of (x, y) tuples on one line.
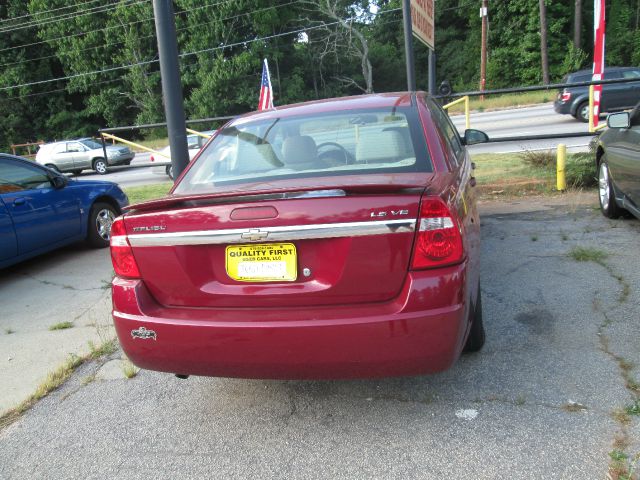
[(376, 146), (300, 150)]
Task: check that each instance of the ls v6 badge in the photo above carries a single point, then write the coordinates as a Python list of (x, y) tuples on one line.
[(394, 213)]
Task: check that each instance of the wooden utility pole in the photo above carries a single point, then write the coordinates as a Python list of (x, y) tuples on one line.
[(484, 11), (543, 43), (577, 24)]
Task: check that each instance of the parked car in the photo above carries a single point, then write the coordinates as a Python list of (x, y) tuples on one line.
[(329, 239), (618, 163), (84, 153), (41, 210), (618, 96), (194, 144)]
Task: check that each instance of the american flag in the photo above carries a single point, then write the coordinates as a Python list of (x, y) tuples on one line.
[(266, 92)]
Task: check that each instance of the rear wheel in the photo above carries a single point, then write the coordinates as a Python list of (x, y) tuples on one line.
[(582, 112), (608, 205), (169, 171), (475, 340), (100, 165), (100, 219), (77, 172)]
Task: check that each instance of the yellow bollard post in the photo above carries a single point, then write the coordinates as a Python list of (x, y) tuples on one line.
[(591, 126), (561, 163), (466, 112)]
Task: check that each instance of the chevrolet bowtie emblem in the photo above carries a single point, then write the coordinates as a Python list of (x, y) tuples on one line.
[(254, 235)]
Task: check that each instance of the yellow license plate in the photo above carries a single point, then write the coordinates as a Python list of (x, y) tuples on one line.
[(267, 262)]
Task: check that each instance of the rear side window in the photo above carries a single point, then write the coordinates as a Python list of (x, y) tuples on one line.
[(631, 74), (448, 129), (328, 144), (612, 75), (581, 78)]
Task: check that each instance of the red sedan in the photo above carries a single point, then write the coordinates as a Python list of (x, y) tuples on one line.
[(331, 239)]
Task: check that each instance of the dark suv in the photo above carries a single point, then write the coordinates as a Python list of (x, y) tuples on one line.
[(617, 96)]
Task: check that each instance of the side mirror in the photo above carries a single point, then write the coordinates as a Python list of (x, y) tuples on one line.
[(59, 181), (471, 137), (619, 120)]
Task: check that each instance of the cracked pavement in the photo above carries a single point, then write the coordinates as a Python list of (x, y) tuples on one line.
[(536, 402), (69, 285)]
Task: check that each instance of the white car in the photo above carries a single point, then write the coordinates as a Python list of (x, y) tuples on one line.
[(84, 153), (194, 144)]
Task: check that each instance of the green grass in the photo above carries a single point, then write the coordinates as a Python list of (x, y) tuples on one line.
[(129, 369), (61, 326), (633, 409), (588, 254), (492, 102), (105, 348), (147, 192), (521, 174)]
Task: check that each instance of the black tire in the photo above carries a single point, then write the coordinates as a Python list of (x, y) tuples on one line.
[(128, 162), (77, 172), (606, 194), (169, 171), (582, 112), (476, 338), (100, 165), (101, 218), (52, 167)]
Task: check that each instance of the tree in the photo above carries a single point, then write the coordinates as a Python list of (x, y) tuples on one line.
[(339, 31)]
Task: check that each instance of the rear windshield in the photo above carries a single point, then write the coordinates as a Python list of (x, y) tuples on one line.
[(342, 143)]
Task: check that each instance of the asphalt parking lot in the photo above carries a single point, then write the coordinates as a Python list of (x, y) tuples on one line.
[(543, 399)]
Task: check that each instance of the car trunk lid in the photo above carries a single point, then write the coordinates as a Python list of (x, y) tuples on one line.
[(317, 246)]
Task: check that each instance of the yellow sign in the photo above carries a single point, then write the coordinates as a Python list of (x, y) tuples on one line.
[(422, 21), (269, 262)]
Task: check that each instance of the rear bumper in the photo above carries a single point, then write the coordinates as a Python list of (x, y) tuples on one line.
[(421, 331), (127, 157), (562, 107)]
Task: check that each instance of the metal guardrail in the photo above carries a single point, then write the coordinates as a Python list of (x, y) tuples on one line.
[(593, 130), (107, 133), (465, 99), (537, 88)]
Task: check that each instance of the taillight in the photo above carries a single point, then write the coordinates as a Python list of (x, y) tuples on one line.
[(438, 241), (566, 96), (124, 263)]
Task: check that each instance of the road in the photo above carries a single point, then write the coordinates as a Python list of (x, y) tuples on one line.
[(536, 402), (130, 177), (535, 120)]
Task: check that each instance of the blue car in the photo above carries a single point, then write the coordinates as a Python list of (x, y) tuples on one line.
[(41, 210)]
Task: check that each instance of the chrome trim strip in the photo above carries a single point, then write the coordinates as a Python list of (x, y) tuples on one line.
[(274, 234)]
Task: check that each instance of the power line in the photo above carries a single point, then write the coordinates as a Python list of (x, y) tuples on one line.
[(69, 16), (205, 50), (46, 11), (110, 28), (153, 35)]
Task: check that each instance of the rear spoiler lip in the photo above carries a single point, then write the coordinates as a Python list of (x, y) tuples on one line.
[(276, 194)]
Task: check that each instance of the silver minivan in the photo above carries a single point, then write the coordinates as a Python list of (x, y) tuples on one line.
[(84, 153)]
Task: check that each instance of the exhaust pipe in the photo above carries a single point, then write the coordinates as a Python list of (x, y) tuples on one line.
[(181, 376)]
